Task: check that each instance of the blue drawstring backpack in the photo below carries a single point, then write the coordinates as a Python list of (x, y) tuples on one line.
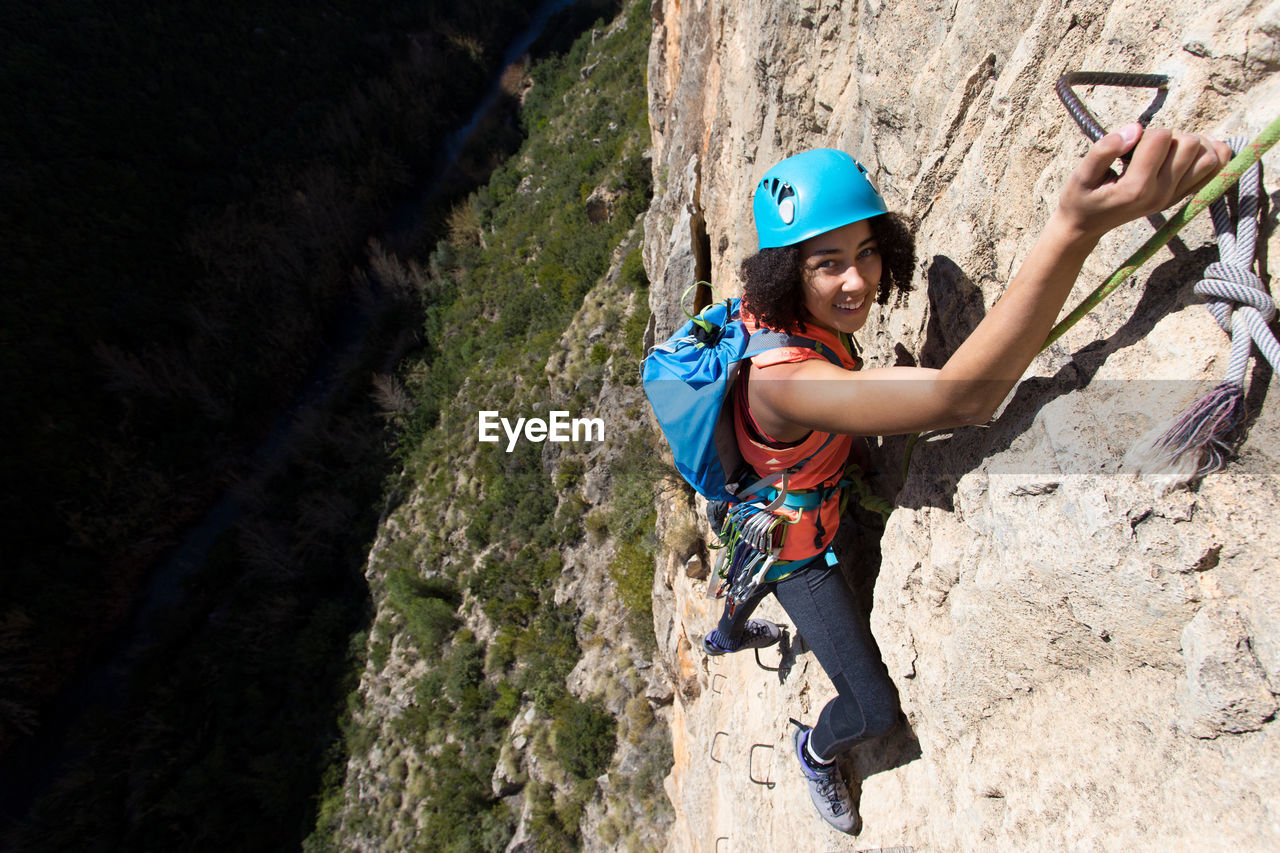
[(688, 380)]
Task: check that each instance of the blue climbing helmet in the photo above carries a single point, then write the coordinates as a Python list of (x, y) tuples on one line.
[(811, 193)]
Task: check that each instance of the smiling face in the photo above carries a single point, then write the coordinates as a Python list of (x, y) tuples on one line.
[(841, 273)]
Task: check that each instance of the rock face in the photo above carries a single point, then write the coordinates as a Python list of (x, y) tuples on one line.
[(1085, 661)]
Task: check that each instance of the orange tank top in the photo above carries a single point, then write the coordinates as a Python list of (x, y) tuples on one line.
[(813, 529)]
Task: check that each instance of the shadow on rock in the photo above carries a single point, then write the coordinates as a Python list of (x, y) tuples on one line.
[(947, 456), (955, 310), (896, 749)]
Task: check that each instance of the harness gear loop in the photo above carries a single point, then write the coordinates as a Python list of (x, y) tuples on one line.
[(781, 491)]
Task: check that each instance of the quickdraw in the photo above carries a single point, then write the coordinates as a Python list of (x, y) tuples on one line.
[(752, 536)]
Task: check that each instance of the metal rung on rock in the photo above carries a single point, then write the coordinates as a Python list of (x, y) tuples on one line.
[(712, 751), (751, 760)]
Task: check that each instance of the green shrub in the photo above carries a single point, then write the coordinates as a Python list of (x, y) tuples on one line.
[(459, 801), (549, 649), (501, 653), (508, 590), (612, 314), (639, 717), (597, 524), (632, 570), (547, 829), (464, 671), (507, 704), (429, 621), (583, 734), (631, 273), (478, 532), (569, 520), (632, 350), (380, 650), (569, 474)]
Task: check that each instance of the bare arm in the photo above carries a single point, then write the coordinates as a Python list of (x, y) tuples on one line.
[(979, 375)]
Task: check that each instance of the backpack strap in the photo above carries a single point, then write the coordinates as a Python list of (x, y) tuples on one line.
[(767, 339), (762, 341)]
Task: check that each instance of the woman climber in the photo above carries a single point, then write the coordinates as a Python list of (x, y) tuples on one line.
[(827, 247)]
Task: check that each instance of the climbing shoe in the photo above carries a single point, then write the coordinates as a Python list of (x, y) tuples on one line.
[(827, 789), (757, 634)]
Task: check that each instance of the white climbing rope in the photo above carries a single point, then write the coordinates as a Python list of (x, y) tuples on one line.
[(1198, 441), (1236, 296)]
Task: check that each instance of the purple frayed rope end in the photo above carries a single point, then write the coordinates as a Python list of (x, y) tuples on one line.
[(1196, 443)]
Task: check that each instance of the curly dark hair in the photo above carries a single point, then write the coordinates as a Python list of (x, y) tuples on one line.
[(772, 283)]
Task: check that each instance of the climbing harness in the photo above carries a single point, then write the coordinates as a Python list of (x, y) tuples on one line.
[(753, 532)]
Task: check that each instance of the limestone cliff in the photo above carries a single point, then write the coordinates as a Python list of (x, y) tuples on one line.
[(1084, 662)]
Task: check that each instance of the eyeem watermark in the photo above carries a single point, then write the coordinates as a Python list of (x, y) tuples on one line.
[(560, 427)]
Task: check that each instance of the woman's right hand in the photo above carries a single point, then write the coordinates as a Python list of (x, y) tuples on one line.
[(1165, 167)]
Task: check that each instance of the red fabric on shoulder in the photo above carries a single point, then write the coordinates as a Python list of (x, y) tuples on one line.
[(765, 457)]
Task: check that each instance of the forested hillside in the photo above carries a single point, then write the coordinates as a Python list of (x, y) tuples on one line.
[(477, 723), (192, 313), (185, 197)]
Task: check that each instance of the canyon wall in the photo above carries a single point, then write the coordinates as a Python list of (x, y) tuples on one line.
[(1085, 660)]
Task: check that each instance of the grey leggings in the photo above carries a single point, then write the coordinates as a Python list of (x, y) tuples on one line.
[(825, 613)]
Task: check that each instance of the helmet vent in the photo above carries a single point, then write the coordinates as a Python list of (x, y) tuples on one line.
[(784, 196), (810, 193)]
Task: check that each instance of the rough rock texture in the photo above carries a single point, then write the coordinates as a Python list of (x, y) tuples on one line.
[(1085, 662)]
